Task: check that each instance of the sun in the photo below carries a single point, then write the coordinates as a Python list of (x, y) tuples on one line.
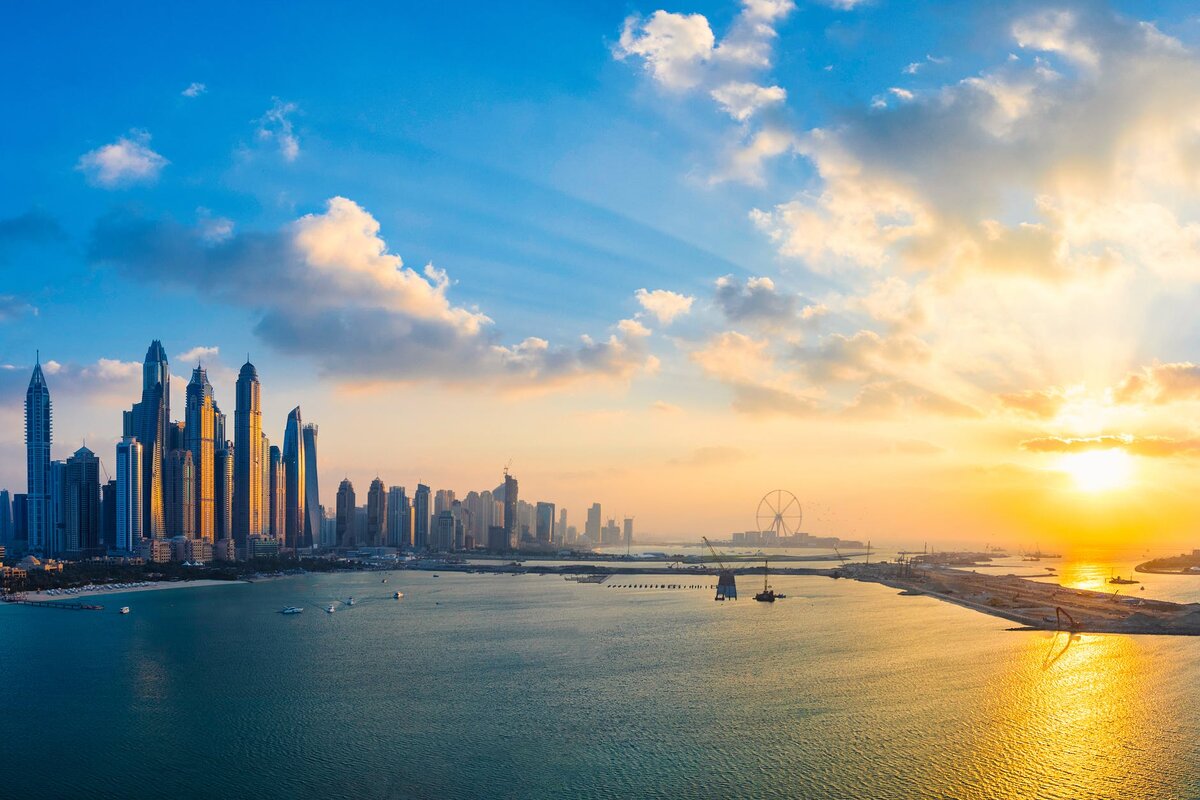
[(1098, 470)]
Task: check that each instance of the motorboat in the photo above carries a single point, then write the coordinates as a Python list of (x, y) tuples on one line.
[(397, 595), (331, 609), (292, 610), (124, 610), (350, 602)]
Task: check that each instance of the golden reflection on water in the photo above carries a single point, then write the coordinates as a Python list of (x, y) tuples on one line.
[(1066, 719)]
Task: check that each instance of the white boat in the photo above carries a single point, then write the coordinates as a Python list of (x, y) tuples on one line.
[(398, 595), (331, 609), (292, 610), (124, 610)]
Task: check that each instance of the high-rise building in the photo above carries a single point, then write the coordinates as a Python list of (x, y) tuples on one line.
[(545, 522), (443, 500), (420, 511), (561, 530), (248, 514), (179, 495), (295, 462), (443, 532), (108, 515), (511, 522), (628, 532), (592, 528), (129, 495), (397, 517), (313, 516), (81, 505), (37, 461), (377, 514), (200, 438), (21, 519), (6, 520), (265, 483), (56, 546), (149, 422), (223, 491), (276, 502), (345, 515)]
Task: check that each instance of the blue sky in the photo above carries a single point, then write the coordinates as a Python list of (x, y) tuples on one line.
[(532, 152)]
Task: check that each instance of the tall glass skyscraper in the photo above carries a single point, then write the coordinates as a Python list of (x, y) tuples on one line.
[(37, 460), (377, 514), (200, 440), (294, 465), (149, 421), (312, 493), (129, 495), (420, 512), (247, 457)]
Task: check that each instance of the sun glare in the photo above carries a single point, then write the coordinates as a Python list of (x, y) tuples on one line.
[(1098, 470)]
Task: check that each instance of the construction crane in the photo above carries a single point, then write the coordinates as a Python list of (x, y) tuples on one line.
[(726, 587)]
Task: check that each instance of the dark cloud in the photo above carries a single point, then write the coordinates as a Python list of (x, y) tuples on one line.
[(756, 301)]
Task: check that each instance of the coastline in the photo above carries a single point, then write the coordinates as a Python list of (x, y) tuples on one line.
[(156, 586)]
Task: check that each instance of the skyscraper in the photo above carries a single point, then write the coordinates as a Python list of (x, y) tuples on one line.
[(200, 439), (81, 505), (179, 495), (442, 500), (149, 421), (510, 510), (129, 495), (560, 532), (37, 460), (6, 520), (628, 530), (295, 462), (376, 514), (108, 515), (345, 515), (223, 490), (592, 527), (420, 510), (313, 519), (399, 526), (247, 457), (276, 501), (545, 523)]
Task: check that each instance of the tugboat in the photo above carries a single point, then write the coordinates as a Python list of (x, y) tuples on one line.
[(767, 595)]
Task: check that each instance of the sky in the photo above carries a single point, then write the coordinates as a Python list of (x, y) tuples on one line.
[(930, 266)]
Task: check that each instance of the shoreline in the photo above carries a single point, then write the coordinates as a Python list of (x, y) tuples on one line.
[(153, 587)]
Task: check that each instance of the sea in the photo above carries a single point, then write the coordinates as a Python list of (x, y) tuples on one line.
[(523, 686)]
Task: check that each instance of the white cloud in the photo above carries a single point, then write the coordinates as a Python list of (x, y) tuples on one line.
[(741, 100), (1055, 31), (127, 161), (194, 89), (673, 47), (665, 305), (199, 353), (276, 125)]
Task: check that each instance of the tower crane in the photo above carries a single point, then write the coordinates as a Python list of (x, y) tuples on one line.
[(726, 587)]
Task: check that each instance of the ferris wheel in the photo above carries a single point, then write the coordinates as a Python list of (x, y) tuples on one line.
[(779, 511)]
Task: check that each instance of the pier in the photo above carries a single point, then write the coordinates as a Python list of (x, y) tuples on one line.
[(20, 600)]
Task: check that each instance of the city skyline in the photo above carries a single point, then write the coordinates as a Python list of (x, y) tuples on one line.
[(733, 250)]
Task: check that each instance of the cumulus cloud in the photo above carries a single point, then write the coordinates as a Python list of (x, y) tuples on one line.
[(1039, 403), (194, 89), (326, 287), (107, 381), (200, 354), (125, 162), (747, 367), (276, 126), (756, 300), (673, 47), (862, 356), (664, 304)]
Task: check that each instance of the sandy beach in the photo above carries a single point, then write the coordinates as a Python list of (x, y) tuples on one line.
[(100, 591)]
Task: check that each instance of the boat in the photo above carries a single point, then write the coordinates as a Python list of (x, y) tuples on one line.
[(1119, 581), (397, 595), (767, 595), (291, 610), (331, 609), (350, 602), (124, 610), (384, 580)]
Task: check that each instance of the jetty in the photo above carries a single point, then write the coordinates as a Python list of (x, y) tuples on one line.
[(20, 600)]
